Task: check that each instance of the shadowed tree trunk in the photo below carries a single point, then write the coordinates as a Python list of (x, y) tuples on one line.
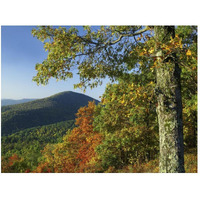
[(169, 107)]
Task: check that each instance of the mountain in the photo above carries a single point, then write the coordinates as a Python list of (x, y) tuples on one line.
[(60, 107), (6, 102)]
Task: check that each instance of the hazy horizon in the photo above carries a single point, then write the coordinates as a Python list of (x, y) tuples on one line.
[(48, 96)]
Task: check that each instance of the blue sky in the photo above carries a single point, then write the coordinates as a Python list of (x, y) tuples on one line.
[(20, 51)]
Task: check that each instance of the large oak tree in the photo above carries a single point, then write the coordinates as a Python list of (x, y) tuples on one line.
[(118, 52)]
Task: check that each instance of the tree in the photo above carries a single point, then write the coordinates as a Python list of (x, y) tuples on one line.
[(77, 151), (127, 119), (84, 139), (169, 107), (107, 52), (13, 164), (189, 86)]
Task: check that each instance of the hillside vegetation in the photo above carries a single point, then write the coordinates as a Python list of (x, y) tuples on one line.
[(28, 144), (53, 109)]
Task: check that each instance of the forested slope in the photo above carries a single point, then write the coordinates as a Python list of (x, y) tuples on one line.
[(29, 143), (56, 108)]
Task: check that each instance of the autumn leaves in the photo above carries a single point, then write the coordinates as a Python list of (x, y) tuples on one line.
[(77, 151)]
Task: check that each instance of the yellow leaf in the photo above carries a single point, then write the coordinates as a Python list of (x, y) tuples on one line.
[(141, 54), (188, 53), (151, 50), (180, 43), (151, 82), (145, 95), (167, 48)]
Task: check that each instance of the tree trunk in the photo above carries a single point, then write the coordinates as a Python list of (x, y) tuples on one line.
[(169, 108)]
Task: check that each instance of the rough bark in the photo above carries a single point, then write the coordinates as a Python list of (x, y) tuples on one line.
[(169, 108)]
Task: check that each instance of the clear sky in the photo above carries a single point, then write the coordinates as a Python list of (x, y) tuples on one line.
[(20, 51)]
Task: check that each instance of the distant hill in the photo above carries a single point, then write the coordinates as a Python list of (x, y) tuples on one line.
[(6, 102), (60, 107)]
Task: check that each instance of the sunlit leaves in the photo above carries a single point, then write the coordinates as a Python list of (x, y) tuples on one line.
[(77, 151), (96, 52), (188, 53), (127, 120)]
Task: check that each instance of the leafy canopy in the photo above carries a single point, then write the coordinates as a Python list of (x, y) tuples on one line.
[(96, 53)]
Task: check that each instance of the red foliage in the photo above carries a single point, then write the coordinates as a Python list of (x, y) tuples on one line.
[(43, 168), (77, 151), (84, 138), (28, 171), (13, 159)]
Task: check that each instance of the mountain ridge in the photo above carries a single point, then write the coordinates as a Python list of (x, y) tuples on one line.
[(6, 102), (55, 108)]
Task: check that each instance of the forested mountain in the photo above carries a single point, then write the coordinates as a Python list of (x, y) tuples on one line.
[(6, 102), (56, 108)]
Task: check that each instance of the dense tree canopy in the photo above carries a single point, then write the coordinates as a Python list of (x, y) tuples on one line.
[(26, 145), (102, 51), (127, 119)]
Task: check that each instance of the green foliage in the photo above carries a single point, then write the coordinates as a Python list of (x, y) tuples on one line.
[(57, 108), (191, 161), (27, 144), (127, 120), (96, 53), (189, 84), (152, 166)]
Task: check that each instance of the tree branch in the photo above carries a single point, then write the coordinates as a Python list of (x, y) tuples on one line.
[(128, 35), (88, 41)]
